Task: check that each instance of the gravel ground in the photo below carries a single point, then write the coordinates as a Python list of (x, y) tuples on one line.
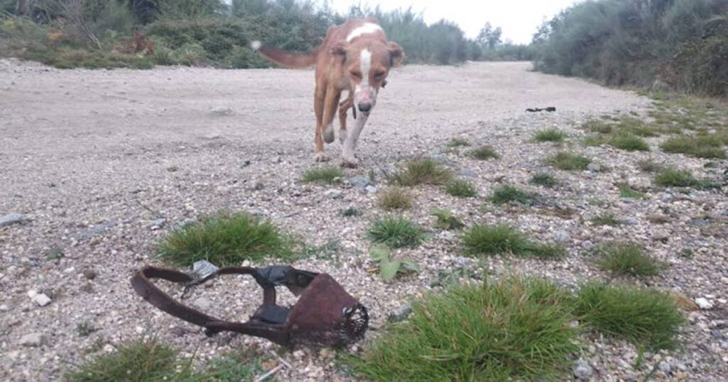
[(101, 164)]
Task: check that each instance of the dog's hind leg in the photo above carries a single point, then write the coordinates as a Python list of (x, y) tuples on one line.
[(319, 99), (344, 107)]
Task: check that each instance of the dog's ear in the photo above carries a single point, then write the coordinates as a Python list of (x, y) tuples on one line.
[(339, 49), (396, 53)]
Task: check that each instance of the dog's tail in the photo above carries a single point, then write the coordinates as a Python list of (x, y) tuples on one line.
[(285, 59)]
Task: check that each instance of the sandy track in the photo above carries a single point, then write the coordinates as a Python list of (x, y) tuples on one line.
[(91, 158)]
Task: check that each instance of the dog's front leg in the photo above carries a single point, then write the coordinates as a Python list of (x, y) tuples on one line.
[(347, 154)]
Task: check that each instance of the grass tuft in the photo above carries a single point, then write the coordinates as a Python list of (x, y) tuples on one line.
[(627, 259), (630, 193), (225, 239), (628, 142), (396, 232), (514, 329), (325, 174), (458, 142), (395, 198), (608, 219), (484, 153), (446, 220), (423, 171), (351, 212), (568, 162), (461, 189), (544, 180), (510, 194), (706, 146), (502, 239), (672, 177), (649, 165), (550, 135), (644, 317)]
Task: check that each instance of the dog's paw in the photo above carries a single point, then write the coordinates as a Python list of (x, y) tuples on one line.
[(342, 136), (321, 157), (329, 134), (349, 162)]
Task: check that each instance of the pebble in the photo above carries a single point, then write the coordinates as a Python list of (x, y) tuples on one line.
[(582, 369), (561, 236), (400, 314), (370, 189), (157, 224), (221, 111), (10, 219), (587, 245), (89, 273), (41, 299), (467, 173), (334, 194), (703, 303), (359, 182), (202, 303), (31, 340), (4, 308), (594, 167)]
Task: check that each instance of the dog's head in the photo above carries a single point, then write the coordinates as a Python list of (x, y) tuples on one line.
[(367, 63)]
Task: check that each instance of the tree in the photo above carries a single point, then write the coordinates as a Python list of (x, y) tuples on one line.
[(488, 37)]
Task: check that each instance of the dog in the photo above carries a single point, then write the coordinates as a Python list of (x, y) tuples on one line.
[(355, 57)]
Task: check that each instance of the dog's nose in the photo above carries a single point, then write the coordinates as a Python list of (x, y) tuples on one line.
[(365, 107)]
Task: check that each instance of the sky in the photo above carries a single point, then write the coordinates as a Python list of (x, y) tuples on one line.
[(519, 19)]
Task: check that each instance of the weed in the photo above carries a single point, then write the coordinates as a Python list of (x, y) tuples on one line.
[(510, 194), (458, 142), (54, 253), (686, 253), (544, 180), (325, 174), (627, 259), (240, 365), (630, 193), (608, 219), (446, 220), (648, 165), (350, 212), (423, 171), (388, 267), (484, 153), (85, 329), (628, 142), (568, 162), (672, 177), (503, 239), (326, 251), (550, 135), (395, 198), (225, 239), (396, 232), (594, 140), (461, 189), (706, 146), (597, 126), (645, 317)]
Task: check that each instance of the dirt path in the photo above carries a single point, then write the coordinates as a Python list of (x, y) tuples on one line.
[(93, 158)]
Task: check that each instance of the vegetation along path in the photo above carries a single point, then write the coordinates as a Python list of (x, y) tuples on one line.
[(103, 166)]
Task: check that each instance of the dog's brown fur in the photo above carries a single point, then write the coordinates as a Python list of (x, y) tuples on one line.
[(339, 67)]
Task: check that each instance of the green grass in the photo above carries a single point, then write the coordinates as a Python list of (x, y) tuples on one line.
[(458, 142), (629, 193), (647, 318), (513, 329), (484, 153), (395, 198), (482, 239), (628, 142), (550, 135), (568, 162), (225, 239), (627, 259), (544, 180), (649, 165), (672, 177), (594, 140), (597, 126), (461, 189), (510, 194), (446, 220), (607, 219), (325, 174), (423, 171), (704, 146), (395, 232), (351, 212)]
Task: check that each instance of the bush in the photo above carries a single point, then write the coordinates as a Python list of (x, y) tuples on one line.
[(672, 177), (608, 219), (544, 180), (552, 135), (225, 239), (513, 329), (510, 194), (325, 175), (461, 189), (628, 142), (699, 147), (568, 162), (423, 171), (484, 153), (627, 259), (395, 232), (502, 239), (395, 199)]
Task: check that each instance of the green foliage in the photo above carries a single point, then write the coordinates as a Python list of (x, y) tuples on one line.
[(544, 180), (513, 329), (551, 135), (225, 239), (672, 177), (627, 259), (491, 240), (389, 268), (395, 232), (646, 317), (607, 219), (446, 220), (458, 142), (630, 193), (423, 171), (649, 165), (510, 194), (568, 162), (325, 175), (629, 142), (395, 198), (351, 212), (702, 146), (461, 189), (484, 153)]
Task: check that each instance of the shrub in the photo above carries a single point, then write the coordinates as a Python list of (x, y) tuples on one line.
[(395, 232), (628, 142), (513, 329), (699, 147), (627, 259), (484, 153), (502, 239), (544, 180), (395, 198), (389, 268), (568, 162), (225, 239), (446, 220), (423, 171), (645, 317), (325, 174), (509, 194), (672, 177), (461, 189), (551, 135)]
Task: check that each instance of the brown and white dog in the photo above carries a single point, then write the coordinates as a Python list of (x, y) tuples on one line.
[(354, 57)]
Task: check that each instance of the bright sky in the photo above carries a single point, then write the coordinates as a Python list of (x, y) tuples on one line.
[(519, 19)]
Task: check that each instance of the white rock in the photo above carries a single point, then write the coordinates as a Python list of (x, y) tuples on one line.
[(32, 340), (4, 308), (202, 303), (41, 299), (703, 303), (32, 294), (582, 369)]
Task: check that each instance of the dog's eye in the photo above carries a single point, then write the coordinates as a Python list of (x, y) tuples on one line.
[(378, 75), (356, 74)]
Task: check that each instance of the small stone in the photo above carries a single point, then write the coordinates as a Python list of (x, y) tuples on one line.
[(41, 299), (629, 221), (588, 245), (665, 367), (594, 167), (157, 224), (259, 186), (582, 369), (370, 189), (703, 303), (172, 168), (277, 160), (334, 194), (89, 274), (10, 219), (4, 308), (359, 182), (717, 334), (298, 354), (202, 303), (400, 314), (561, 236), (32, 340), (221, 111)]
